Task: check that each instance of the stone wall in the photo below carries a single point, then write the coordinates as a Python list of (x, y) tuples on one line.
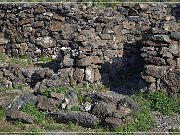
[(90, 45)]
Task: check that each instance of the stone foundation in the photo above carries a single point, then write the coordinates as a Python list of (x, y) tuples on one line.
[(90, 45)]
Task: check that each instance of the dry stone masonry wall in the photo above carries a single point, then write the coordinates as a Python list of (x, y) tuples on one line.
[(90, 45)]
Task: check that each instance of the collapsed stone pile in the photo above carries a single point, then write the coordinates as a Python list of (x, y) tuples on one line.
[(109, 108), (90, 45), (161, 55)]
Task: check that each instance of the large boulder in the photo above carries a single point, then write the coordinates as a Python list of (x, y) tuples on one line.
[(82, 118)]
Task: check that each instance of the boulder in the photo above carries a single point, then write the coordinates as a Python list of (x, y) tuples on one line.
[(108, 96), (82, 118), (46, 104), (129, 103), (113, 121), (103, 109), (57, 96), (20, 102), (171, 82), (22, 116), (155, 71)]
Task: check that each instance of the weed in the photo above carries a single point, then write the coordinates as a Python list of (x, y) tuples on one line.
[(143, 120), (72, 126), (174, 130), (163, 103), (32, 110), (19, 86), (24, 61), (101, 88), (2, 113), (45, 59), (75, 108), (78, 92), (48, 91)]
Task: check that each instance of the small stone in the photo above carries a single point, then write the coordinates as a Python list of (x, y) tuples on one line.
[(105, 36), (148, 78), (78, 74), (113, 121), (89, 74), (175, 35), (155, 71), (26, 21), (97, 75), (161, 38), (67, 61), (56, 26), (39, 10), (57, 96), (84, 62), (178, 63)]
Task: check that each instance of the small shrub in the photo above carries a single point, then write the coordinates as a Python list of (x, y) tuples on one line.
[(48, 91), (32, 110)]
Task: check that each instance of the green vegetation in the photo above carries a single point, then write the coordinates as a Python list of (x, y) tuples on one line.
[(159, 101), (142, 121), (32, 110), (23, 61), (75, 108), (45, 59), (48, 91), (19, 86), (163, 103), (174, 130), (78, 91), (2, 113)]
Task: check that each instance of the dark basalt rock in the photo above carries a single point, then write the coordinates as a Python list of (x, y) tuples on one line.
[(83, 118)]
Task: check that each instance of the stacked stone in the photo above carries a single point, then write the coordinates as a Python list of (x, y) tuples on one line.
[(91, 45), (161, 55)]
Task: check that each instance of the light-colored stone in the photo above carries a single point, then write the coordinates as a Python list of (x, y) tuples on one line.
[(89, 74)]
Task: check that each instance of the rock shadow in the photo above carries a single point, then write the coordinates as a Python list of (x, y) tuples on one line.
[(123, 74)]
